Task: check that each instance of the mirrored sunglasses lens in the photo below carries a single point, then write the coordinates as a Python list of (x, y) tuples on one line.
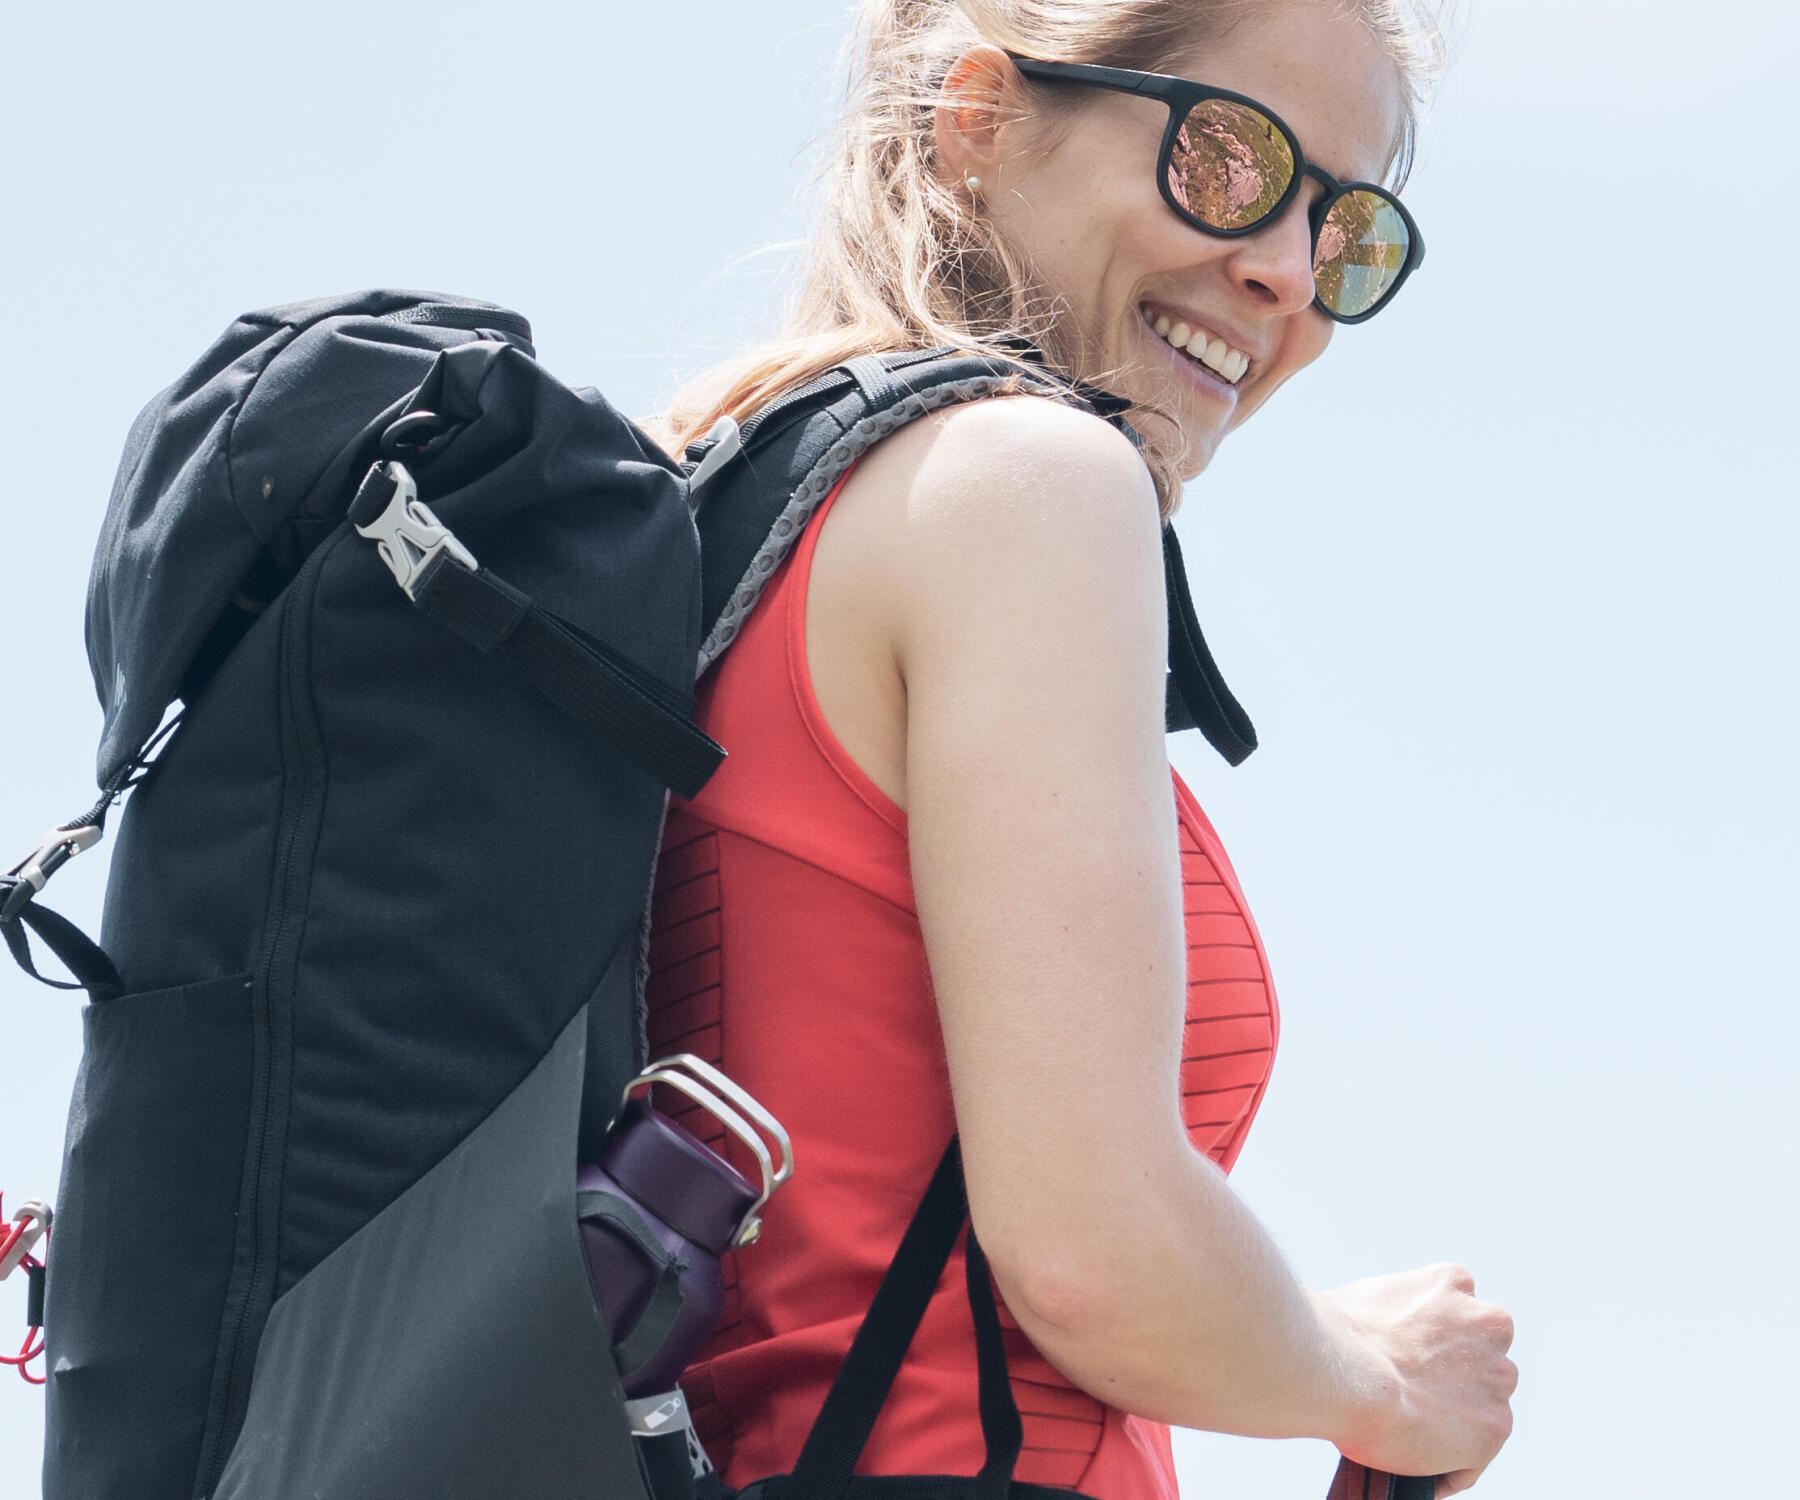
[(1362, 247), (1229, 165)]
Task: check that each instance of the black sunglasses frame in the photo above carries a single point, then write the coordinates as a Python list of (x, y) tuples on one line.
[(1181, 95)]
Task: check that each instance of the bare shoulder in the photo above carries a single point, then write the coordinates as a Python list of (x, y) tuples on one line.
[(1011, 459), (1018, 490), (1002, 553)]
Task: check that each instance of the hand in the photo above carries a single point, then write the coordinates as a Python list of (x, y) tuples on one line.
[(1430, 1386)]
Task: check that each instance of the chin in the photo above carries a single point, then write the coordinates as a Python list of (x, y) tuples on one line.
[(1196, 447)]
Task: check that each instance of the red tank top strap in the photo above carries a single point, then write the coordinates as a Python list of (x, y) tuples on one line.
[(793, 609), (787, 781)]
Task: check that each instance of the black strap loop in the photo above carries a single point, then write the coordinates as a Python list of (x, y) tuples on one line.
[(1198, 697), (93, 971), (657, 1320), (854, 1402), (872, 377), (1002, 1428)]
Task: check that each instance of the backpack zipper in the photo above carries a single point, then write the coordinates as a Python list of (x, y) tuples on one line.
[(252, 1287)]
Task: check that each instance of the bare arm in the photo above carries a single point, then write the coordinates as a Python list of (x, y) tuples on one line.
[(1023, 579)]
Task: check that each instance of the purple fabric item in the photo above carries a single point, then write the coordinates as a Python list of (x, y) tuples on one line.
[(692, 1201)]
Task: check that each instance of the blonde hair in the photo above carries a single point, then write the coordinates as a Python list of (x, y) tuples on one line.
[(899, 261)]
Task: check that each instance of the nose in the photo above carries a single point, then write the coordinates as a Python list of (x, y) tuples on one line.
[(1274, 266)]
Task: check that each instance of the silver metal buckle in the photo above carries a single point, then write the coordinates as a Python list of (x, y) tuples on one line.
[(704, 1084), (59, 846), (408, 536)]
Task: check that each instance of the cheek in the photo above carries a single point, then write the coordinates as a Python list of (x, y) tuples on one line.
[(1090, 219), (1308, 336)]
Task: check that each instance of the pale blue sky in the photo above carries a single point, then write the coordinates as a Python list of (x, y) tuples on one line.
[(1506, 582)]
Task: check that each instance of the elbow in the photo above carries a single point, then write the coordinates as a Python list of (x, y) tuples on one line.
[(1065, 1295), (1084, 1269)]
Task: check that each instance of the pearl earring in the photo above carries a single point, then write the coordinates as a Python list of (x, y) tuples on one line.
[(971, 182)]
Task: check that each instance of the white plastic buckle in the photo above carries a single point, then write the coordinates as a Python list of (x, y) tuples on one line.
[(408, 536), (30, 1223), (726, 442)]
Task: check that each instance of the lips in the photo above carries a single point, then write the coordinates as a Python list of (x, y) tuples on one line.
[(1198, 343)]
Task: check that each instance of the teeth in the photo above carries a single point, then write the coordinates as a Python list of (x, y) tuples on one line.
[(1206, 348)]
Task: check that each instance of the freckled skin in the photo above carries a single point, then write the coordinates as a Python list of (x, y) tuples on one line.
[(1087, 213)]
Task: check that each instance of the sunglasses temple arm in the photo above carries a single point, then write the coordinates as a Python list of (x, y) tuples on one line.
[(1120, 80)]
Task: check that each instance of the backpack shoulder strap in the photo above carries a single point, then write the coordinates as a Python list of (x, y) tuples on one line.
[(755, 488), (751, 509)]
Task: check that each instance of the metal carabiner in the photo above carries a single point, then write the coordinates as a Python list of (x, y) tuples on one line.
[(704, 1084), (32, 873)]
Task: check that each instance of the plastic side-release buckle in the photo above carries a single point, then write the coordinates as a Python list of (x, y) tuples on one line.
[(719, 447), (408, 536), (32, 873)]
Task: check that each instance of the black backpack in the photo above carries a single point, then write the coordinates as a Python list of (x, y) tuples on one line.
[(370, 978)]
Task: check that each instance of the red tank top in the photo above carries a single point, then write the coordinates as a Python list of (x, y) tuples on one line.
[(786, 949)]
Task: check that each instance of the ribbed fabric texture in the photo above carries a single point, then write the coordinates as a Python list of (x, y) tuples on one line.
[(786, 949)]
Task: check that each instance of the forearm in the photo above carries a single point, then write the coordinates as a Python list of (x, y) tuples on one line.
[(1182, 1309)]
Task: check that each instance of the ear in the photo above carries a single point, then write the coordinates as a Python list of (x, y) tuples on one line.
[(980, 96)]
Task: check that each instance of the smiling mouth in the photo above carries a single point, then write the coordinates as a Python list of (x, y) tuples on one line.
[(1200, 345)]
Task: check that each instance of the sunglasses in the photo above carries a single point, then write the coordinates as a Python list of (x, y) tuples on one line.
[(1228, 166)]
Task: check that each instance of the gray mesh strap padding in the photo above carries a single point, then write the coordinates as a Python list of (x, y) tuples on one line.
[(810, 493)]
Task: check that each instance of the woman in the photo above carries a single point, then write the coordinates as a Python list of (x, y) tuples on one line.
[(940, 885)]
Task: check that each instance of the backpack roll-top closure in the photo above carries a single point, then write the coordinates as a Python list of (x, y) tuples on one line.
[(223, 468)]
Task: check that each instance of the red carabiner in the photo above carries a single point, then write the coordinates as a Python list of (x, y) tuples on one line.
[(29, 1225)]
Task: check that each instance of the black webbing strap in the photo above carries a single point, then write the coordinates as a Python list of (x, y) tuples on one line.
[(1176, 717), (1197, 695), (598, 687), (873, 379), (19, 890), (1001, 1425), (93, 971), (854, 1402), (593, 684), (654, 1324)]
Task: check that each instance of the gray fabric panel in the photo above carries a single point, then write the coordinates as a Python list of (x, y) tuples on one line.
[(451, 1349)]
